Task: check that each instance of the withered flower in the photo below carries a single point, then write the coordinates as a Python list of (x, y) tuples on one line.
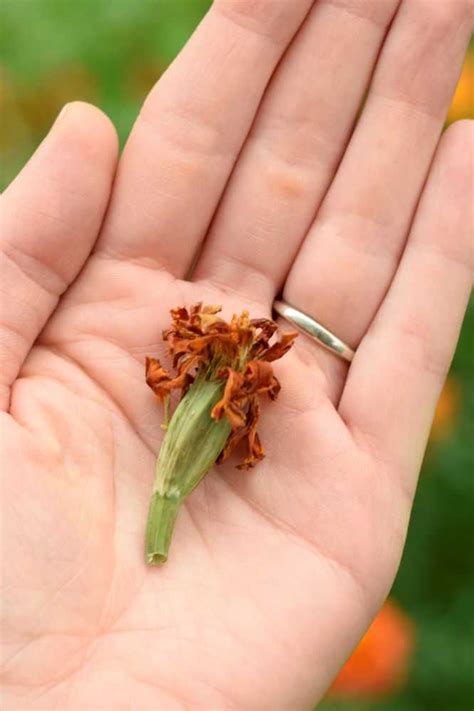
[(221, 370)]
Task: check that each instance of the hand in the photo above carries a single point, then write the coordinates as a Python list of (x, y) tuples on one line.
[(242, 177)]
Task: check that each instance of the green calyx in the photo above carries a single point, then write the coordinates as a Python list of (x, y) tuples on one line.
[(191, 446)]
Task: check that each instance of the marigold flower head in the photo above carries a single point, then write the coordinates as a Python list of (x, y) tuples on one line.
[(238, 354)]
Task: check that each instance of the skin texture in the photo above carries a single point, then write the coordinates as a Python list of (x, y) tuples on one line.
[(245, 163)]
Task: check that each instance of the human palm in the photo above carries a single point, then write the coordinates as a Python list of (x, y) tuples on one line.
[(275, 573)]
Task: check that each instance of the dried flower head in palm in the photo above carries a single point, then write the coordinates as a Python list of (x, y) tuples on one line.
[(221, 370)]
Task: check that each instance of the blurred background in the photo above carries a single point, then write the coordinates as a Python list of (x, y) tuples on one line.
[(419, 653)]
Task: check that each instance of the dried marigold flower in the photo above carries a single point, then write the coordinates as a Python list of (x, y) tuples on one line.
[(221, 369)]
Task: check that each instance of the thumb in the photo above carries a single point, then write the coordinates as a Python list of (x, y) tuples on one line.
[(50, 218)]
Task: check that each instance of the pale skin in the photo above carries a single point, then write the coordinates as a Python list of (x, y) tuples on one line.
[(245, 163)]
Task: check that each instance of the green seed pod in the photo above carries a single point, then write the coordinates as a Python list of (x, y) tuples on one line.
[(191, 446)]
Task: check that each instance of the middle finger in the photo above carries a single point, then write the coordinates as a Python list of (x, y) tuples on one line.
[(294, 148)]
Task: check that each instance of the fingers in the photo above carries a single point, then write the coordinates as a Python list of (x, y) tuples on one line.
[(295, 146), (190, 131), (51, 215), (401, 364), (351, 252)]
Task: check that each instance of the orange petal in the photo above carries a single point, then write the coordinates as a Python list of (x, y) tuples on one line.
[(256, 451), (232, 442), (248, 431), (156, 375), (267, 328), (230, 397), (160, 381), (280, 347), (179, 313), (259, 378)]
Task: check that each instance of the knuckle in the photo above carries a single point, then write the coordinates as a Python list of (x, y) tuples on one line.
[(379, 12), (456, 150), (262, 17), (443, 15), (423, 352)]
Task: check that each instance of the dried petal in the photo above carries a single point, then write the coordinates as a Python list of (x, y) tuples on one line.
[(259, 379), (256, 451), (280, 347), (232, 393), (160, 381), (267, 328)]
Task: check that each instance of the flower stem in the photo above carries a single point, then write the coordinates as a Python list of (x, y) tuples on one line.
[(161, 518)]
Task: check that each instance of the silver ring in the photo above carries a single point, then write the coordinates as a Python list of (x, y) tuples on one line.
[(314, 330)]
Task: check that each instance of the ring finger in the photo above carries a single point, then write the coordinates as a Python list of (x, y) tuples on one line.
[(354, 246)]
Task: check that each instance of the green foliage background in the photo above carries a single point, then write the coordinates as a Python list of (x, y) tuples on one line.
[(111, 52)]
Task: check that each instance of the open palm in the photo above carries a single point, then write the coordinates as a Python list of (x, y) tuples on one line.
[(243, 177)]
